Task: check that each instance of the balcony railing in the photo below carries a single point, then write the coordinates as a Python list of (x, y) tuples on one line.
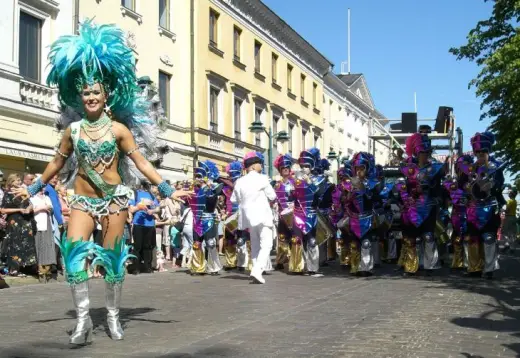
[(239, 149), (38, 95), (215, 142)]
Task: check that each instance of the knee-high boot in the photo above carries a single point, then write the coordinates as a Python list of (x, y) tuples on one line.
[(113, 260), (74, 255)]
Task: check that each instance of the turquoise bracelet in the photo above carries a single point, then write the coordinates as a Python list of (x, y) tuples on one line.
[(35, 188), (165, 189)]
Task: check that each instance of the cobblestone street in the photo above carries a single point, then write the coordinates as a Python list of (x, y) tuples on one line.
[(175, 315)]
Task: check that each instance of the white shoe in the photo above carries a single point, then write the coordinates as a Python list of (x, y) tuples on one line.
[(257, 278)]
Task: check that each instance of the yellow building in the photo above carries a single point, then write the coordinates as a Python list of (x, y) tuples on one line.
[(251, 66)]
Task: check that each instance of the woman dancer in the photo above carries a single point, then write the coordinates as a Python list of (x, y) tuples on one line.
[(95, 75)]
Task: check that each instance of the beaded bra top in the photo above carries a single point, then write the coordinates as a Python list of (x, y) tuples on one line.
[(96, 151)]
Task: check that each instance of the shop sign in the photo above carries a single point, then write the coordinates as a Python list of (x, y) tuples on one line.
[(25, 154)]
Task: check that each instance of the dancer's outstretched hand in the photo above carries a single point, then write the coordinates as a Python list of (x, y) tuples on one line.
[(178, 194), (20, 192)]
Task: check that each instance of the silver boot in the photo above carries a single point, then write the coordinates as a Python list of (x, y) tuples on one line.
[(83, 332), (113, 302)]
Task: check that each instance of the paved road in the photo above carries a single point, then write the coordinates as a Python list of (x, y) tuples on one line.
[(175, 315)]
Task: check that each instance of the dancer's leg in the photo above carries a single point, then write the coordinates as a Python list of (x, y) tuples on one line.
[(113, 257), (75, 248)]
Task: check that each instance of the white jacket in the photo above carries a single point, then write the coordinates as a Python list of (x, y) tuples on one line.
[(252, 193)]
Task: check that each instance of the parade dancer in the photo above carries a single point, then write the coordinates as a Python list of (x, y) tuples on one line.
[(484, 187), (205, 258), (419, 195), (252, 193), (325, 234), (338, 215), (459, 201), (361, 194), (284, 188), (95, 75), (304, 253), (387, 245), (234, 170)]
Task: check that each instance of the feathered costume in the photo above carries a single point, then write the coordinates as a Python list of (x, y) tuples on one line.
[(98, 54), (203, 204)]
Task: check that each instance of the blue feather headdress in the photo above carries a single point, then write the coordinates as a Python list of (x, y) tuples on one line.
[(96, 54), (99, 54), (207, 169), (310, 157), (234, 170)]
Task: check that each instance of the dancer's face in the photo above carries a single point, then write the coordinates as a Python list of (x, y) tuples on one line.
[(482, 157), (94, 99), (423, 157), (361, 172), (285, 172)]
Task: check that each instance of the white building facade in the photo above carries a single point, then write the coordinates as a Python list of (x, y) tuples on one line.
[(28, 108)]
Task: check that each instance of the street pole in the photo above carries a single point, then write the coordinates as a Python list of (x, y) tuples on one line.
[(270, 152)]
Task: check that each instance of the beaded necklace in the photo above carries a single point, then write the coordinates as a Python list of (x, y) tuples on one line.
[(97, 152)]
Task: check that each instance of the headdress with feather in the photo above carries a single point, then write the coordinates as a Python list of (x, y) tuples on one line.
[(99, 54)]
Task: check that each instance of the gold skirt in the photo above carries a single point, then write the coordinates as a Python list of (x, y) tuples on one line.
[(283, 251), (250, 263), (409, 259), (475, 255), (458, 254), (230, 253), (344, 254), (198, 261), (296, 260), (355, 256)]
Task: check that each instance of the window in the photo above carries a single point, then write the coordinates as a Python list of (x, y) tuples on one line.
[(213, 27), (238, 118), (164, 92), (258, 47), (304, 134), (291, 134), (164, 14), (213, 109), (236, 43), (274, 67), (289, 78), (302, 86), (29, 56), (258, 118), (129, 4), (314, 94), (276, 118)]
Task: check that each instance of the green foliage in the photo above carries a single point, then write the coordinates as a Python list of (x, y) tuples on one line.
[(494, 45)]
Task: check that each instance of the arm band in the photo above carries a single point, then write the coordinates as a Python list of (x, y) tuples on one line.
[(35, 188), (165, 189)]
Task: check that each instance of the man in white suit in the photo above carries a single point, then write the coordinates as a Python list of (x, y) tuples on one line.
[(252, 193)]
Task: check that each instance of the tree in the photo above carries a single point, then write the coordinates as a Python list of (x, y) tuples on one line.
[(494, 45)]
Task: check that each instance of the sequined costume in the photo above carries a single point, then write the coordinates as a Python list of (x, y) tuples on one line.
[(326, 231), (459, 201), (304, 253), (339, 219), (484, 190), (419, 193), (284, 189), (387, 248), (232, 234), (98, 55), (205, 258), (360, 222)]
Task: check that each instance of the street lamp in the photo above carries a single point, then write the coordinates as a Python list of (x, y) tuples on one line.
[(333, 156), (282, 136)]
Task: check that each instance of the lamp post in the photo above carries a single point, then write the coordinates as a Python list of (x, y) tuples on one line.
[(282, 136), (333, 156)]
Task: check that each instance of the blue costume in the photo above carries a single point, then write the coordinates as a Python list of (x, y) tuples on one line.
[(234, 170), (484, 190), (203, 205)]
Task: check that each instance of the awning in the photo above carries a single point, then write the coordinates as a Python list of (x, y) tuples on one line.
[(26, 151), (171, 175)]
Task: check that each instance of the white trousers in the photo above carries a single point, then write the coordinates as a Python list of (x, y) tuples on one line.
[(261, 245)]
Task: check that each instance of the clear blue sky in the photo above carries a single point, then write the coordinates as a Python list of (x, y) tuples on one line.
[(401, 46)]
